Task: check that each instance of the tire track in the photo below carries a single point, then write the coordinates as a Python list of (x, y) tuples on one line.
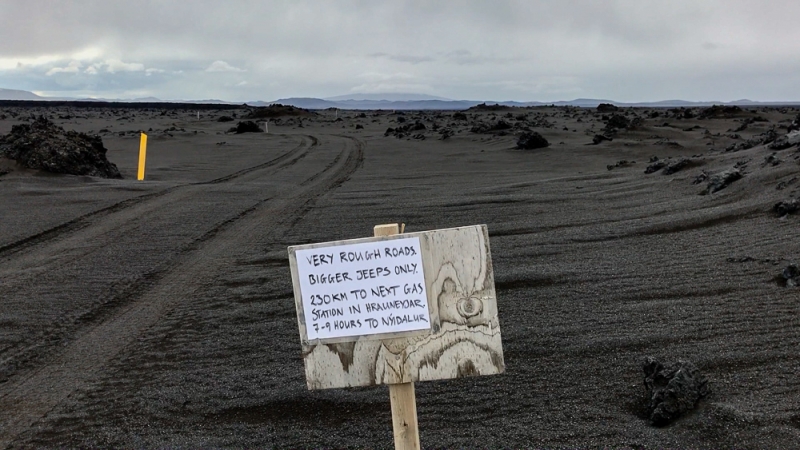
[(85, 245), (25, 400), (59, 244), (290, 157)]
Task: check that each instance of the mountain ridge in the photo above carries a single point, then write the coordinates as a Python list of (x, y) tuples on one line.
[(413, 102)]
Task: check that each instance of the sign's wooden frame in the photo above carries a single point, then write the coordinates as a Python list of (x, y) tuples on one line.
[(464, 339)]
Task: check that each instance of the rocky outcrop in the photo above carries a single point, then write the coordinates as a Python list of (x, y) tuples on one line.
[(606, 108), (531, 141), (721, 180), (786, 141), (43, 145), (721, 112), (617, 121), (676, 166), (246, 126)]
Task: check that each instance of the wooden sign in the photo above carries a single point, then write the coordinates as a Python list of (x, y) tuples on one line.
[(397, 309)]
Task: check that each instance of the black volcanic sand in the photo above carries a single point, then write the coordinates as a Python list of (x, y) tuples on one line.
[(160, 313)]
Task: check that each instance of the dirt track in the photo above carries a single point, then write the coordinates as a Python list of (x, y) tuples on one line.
[(160, 313)]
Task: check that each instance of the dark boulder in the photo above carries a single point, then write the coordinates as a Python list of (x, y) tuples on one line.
[(459, 116), (619, 164), (494, 127), (403, 130), (246, 126), (788, 207), (531, 141), (722, 112), (277, 110), (791, 275), (672, 389), (701, 178), (617, 121), (501, 125), (721, 180), (786, 141), (606, 108), (42, 145), (676, 166), (225, 119), (655, 165), (598, 138)]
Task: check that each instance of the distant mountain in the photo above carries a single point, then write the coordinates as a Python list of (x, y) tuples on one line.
[(300, 102), (317, 103), (13, 94), (390, 97), (388, 101)]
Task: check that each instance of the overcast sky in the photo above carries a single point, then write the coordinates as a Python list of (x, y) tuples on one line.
[(624, 50)]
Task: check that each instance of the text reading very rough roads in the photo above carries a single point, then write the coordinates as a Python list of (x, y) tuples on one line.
[(363, 289)]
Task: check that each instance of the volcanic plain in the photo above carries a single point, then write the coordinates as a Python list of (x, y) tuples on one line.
[(160, 313)]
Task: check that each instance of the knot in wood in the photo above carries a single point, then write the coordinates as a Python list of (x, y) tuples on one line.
[(470, 306)]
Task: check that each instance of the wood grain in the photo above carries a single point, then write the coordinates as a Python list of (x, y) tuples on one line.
[(465, 340)]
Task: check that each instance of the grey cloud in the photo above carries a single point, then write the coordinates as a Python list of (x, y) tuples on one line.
[(403, 58), (523, 50)]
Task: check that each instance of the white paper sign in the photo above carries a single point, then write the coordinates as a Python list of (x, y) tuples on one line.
[(363, 289)]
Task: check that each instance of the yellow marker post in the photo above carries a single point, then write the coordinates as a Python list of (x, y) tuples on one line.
[(142, 153)]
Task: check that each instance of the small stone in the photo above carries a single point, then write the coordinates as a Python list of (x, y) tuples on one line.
[(672, 389)]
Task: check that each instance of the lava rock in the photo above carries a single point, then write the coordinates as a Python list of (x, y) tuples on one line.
[(45, 146), (403, 130), (655, 165), (246, 126), (676, 166), (791, 275), (531, 141), (795, 125), (702, 178), (721, 181), (786, 141), (225, 119), (459, 116), (500, 125), (771, 160), (672, 389), (277, 110), (721, 111), (617, 121), (787, 207), (619, 164), (606, 108), (598, 138)]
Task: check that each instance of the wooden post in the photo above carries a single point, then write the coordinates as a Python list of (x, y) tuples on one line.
[(402, 396)]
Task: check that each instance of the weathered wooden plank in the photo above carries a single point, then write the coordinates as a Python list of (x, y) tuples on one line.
[(465, 338)]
